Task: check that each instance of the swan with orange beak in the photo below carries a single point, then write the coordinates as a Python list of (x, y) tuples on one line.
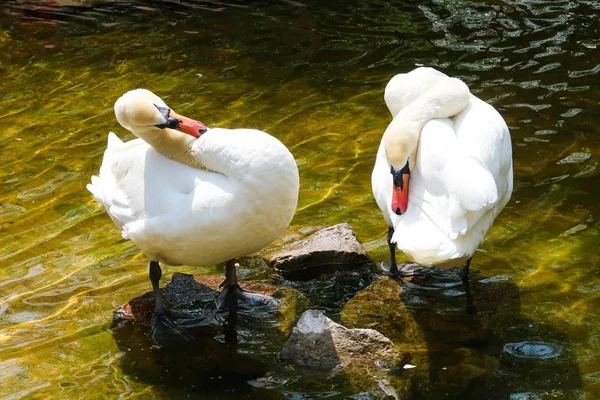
[(443, 170), (188, 195)]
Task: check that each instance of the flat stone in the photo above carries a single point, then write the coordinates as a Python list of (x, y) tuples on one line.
[(194, 296), (318, 342), (326, 250)]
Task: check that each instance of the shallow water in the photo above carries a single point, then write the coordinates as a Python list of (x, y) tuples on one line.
[(312, 74)]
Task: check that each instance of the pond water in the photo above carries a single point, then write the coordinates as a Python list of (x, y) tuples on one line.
[(312, 73)]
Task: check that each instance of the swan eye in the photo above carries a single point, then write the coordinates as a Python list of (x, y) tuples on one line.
[(397, 175), (171, 123)]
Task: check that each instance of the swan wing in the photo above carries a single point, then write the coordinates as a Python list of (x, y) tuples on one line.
[(486, 181), (454, 185), (429, 189), (470, 185), (190, 218), (136, 183)]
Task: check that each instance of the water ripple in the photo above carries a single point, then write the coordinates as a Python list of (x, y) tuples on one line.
[(533, 350)]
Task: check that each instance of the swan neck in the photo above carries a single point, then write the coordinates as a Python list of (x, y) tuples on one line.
[(172, 144), (444, 100)]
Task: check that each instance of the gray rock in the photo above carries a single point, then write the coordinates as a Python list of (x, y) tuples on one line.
[(318, 342), (324, 251)]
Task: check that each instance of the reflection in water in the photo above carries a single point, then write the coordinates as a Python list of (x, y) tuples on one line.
[(311, 73), (491, 342), (206, 365), (478, 346)]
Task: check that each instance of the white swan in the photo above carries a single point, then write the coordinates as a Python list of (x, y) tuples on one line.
[(454, 152), (185, 194)]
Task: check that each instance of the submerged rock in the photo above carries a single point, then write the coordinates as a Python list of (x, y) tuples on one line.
[(380, 306), (440, 326), (317, 341), (326, 250), (435, 308)]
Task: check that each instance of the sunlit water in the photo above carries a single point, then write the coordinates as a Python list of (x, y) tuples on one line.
[(311, 73)]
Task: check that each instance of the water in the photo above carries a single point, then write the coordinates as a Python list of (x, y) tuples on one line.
[(311, 73)]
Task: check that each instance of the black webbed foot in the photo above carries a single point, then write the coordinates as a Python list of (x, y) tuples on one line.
[(393, 272), (232, 295), (229, 296), (166, 332)]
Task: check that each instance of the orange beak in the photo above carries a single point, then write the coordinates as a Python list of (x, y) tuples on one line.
[(188, 125), (400, 196)]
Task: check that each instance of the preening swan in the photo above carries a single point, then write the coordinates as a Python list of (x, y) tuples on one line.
[(185, 194), (443, 170)]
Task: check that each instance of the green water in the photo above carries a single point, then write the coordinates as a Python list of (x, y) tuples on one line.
[(312, 73)]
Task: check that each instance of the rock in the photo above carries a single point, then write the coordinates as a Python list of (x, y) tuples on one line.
[(326, 250), (185, 293), (194, 296), (380, 305), (317, 341), (435, 308)]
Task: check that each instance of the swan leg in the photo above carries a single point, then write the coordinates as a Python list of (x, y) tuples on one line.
[(470, 306), (164, 330), (232, 292), (393, 267), (464, 274)]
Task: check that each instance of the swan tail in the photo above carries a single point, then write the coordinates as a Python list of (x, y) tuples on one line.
[(95, 188), (113, 142), (113, 145), (99, 183), (104, 188)]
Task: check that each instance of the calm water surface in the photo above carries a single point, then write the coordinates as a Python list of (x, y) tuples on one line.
[(311, 73)]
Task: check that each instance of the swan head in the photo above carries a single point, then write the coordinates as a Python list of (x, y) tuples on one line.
[(400, 146), (400, 167), (401, 138), (143, 113)]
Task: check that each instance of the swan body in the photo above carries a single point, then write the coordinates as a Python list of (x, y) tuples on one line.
[(222, 195), (460, 162)]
